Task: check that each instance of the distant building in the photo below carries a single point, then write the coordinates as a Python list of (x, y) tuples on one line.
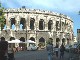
[(37, 25), (78, 35), (75, 39)]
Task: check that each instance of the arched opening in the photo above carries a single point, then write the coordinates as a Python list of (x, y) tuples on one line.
[(67, 40), (13, 21), (32, 38), (41, 24), (13, 44), (2, 38), (57, 42), (32, 20), (57, 39), (23, 23), (63, 41), (41, 42), (41, 39), (22, 45), (50, 40), (12, 38), (22, 39), (57, 25), (50, 24)]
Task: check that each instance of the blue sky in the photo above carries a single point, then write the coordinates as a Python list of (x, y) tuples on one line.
[(67, 7)]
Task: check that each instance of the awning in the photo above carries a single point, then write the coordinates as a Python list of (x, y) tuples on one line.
[(15, 41)]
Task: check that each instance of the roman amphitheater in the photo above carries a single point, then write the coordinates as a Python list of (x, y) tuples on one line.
[(37, 25)]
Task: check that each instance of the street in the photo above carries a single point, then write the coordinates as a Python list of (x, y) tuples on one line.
[(36, 55), (31, 55)]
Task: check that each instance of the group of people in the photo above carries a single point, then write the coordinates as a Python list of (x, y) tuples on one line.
[(50, 49), (6, 52)]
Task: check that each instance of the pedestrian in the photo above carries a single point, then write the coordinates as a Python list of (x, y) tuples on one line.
[(62, 49), (10, 52), (50, 51), (56, 50), (3, 49)]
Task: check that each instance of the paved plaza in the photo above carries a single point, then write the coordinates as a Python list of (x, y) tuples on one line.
[(36, 55)]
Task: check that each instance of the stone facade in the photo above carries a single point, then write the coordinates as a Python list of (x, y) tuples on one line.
[(37, 25)]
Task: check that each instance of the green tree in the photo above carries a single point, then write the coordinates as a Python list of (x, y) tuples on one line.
[(2, 18)]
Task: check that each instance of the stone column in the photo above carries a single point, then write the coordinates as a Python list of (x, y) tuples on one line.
[(37, 39), (8, 23), (46, 25), (54, 38), (61, 37), (17, 25)]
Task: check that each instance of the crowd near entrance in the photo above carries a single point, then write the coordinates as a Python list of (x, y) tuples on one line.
[(42, 43)]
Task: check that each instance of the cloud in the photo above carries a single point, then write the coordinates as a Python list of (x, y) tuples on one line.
[(10, 3), (62, 5)]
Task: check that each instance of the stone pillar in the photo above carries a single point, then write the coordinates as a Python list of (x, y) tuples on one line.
[(65, 41), (61, 37), (54, 38), (8, 25), (36, 39), (45, 44), (17, 25), (46, 23)]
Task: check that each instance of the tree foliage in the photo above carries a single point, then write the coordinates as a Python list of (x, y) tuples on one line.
[(2, 18)]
